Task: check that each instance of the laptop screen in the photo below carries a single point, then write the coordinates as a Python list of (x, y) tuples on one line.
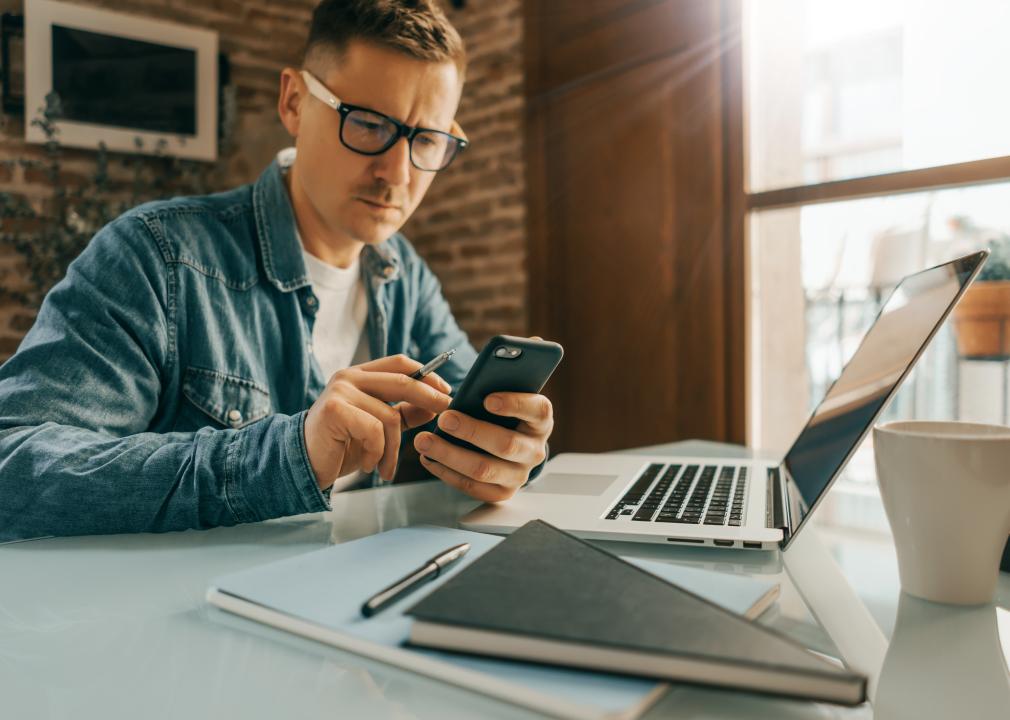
[(906, 323)]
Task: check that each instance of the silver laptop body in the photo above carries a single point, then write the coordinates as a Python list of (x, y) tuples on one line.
[(736, 503)]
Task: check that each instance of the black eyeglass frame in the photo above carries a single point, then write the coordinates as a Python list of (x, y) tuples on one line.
[(322, 93)]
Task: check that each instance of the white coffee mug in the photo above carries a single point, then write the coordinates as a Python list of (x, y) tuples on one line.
[(946, 492)]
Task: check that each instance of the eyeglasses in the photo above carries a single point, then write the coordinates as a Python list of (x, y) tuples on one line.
[(368, 132)]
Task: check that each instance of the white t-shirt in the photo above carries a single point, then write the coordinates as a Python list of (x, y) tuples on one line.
[(338, 340), (338, 337)]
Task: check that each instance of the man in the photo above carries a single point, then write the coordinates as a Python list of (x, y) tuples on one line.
[(165, 382)]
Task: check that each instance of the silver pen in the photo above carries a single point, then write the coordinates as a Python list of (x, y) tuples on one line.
[(434, 364), (413, 580)]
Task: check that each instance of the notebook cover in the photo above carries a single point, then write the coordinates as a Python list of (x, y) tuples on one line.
[(545, 583)]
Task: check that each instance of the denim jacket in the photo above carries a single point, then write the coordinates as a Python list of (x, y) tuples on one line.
[(165, 382)]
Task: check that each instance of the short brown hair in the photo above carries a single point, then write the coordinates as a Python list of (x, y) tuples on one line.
[(417, 28)]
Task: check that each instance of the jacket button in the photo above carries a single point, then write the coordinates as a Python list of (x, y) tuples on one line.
[(311, 301), (234, 417)]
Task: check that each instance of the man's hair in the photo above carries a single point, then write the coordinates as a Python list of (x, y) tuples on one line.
[(417, 28)]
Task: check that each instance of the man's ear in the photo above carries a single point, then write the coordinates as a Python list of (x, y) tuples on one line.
[(290, 100)]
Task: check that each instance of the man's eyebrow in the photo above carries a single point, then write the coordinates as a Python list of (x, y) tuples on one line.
[(423, 125)]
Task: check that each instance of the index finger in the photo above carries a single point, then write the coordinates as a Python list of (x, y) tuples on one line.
[(396, 387), (436, 381), (407, 366)]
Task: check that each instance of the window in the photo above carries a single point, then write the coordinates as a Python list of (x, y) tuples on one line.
[(877, 146), (844, 90)]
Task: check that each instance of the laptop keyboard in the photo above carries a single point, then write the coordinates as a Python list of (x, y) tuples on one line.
[(692, 494)]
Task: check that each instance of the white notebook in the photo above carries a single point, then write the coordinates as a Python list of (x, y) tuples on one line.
[(318, 596)]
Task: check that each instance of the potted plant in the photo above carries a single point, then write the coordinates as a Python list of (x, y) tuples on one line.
[(982, 317)]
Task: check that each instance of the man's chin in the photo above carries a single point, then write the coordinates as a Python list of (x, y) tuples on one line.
[(375, 233)]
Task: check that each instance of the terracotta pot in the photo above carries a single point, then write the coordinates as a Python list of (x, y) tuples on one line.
[(982, 320)]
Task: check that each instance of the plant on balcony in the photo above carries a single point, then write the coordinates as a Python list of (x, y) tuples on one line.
[(982, 317)]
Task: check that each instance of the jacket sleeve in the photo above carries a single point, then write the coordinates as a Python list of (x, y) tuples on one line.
[(78, 396)]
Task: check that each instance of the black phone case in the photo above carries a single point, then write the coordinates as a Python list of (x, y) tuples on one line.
[(489, 374)]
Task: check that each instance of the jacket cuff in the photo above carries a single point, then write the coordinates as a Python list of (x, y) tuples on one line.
[(302, 477), (275, 478)]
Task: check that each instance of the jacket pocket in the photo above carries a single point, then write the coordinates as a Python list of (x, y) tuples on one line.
[(230, 400)]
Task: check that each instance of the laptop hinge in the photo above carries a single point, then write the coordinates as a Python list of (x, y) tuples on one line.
[(776, 512)]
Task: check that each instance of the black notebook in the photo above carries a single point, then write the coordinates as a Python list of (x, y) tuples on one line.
[(546, 596)]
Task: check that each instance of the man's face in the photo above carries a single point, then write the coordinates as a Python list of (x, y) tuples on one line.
[(366, 198)]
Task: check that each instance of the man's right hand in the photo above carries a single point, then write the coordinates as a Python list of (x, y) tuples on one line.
[(351, 427)]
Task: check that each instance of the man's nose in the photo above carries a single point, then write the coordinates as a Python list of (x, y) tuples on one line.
[(393, 166)]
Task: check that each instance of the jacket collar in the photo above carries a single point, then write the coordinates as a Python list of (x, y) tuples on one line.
[(279, 246), (381, 262)]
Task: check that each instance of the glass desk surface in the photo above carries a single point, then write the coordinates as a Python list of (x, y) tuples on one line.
[(117, 626)]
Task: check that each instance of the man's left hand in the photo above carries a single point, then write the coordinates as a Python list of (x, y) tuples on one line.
[(513, 453)]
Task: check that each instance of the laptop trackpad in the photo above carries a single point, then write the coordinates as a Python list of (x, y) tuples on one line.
[(569, 484)]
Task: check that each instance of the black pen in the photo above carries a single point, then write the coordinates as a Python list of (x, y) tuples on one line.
[(412, 581), (433, 365)]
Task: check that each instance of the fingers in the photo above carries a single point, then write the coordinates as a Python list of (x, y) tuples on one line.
[(352, 426), (349, 423), (397, 387), (403, 365), (485, 469), (389, 418), (412, 416), (506, 444), (535, 410), (392, 363), (389, 379), (391, 428), (473, 488)]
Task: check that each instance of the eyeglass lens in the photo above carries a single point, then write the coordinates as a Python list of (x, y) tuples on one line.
[(370, 132)]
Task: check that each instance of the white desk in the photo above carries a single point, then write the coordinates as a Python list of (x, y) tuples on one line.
[(116, 627)]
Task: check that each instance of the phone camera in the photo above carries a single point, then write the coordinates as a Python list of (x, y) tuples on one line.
[(508, 353)]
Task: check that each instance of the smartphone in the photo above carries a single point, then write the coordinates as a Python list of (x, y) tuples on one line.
[(505, 364)]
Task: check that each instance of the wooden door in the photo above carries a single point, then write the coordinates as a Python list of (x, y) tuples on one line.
[(634, 264)]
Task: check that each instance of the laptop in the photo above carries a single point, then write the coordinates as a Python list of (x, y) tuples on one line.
[(735, 503)]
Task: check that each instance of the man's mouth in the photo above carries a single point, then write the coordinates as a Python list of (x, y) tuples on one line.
[(377, 204)]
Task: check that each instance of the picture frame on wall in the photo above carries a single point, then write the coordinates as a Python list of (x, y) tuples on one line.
[(121, 78)]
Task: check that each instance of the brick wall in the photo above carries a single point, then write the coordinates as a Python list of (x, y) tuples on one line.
[(470, 228)]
